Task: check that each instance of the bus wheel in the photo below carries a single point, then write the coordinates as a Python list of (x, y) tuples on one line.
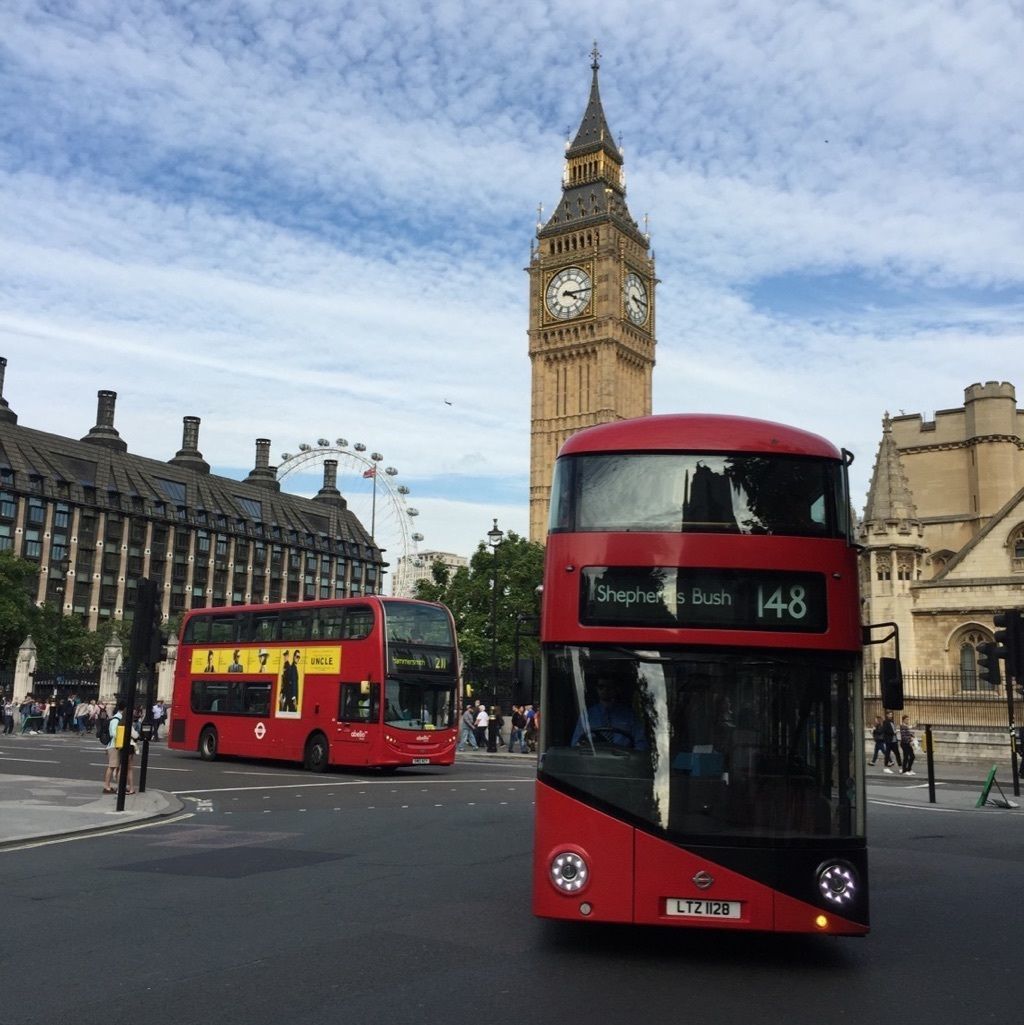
[(208, 744), (317, 753)]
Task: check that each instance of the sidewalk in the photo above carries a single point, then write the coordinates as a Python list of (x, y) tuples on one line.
[(958, 784), (37, 808)]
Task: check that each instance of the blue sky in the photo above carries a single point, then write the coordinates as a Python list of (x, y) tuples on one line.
[(311, 220)]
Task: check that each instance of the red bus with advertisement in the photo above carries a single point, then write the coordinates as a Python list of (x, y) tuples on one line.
[(356, 681), (701, 755)]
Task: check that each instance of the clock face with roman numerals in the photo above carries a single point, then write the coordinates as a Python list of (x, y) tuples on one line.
[(568, 293), (634, 298)]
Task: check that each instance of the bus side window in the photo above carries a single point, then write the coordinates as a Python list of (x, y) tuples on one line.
[(330, 624), (358, 623), (296, 626), (256, 698), (222, 629), (265, 627), (198, 630), (359, 702)]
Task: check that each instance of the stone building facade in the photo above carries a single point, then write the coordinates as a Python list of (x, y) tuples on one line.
[(943, 530), (95, 518), (414, 568), (592, 305)]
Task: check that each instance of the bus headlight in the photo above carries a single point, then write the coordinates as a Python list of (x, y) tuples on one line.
[(837, 881), (569, 872)]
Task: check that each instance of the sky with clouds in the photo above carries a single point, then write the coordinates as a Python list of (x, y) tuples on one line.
[(311, 220)]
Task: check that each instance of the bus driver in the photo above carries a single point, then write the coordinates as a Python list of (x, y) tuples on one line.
[(610, 720)]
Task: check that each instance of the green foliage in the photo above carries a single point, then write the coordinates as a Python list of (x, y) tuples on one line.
[(62, 642), (468, 593), (18, 581), (65, 642)]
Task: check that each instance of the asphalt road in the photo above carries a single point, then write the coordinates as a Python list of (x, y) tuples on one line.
[(284, 898)]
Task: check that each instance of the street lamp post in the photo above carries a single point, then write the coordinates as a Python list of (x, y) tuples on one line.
[(494, 538)]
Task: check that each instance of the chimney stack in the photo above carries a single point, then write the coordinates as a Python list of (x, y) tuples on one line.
[(7, 415), (329, 492), (189, 454), (104, 433), (263, 473)]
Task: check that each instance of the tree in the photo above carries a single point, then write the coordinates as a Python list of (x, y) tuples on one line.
[(18, 579), (468, 593), (65, 642)]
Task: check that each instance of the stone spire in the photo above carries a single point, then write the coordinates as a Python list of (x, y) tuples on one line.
[(889, 497), (593, 183)]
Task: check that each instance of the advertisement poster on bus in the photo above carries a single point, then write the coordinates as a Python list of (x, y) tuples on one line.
[(288, 665)]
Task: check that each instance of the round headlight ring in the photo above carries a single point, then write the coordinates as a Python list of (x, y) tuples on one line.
[(568, 872), (838, 883)]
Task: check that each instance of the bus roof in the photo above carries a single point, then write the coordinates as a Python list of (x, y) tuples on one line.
[(698, 432)]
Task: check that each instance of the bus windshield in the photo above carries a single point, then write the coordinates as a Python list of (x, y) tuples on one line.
[(705, 492), (418, 705), (756, 743)]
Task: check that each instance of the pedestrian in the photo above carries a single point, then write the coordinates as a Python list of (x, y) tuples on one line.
[(467, 729), (892, 744), (907, 746), (493, 717), (532, 727), (110, 776), (499, 723), (159, 711), (8, 715), (878, 735), (517, 730), (480, 725)]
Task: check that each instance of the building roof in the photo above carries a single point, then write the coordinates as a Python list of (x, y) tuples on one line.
[(99, 471)]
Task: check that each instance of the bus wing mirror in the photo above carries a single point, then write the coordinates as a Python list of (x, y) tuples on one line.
[(891, 675)]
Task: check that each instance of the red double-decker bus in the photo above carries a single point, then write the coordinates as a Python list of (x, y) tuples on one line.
[(357, 681), (701, 759)]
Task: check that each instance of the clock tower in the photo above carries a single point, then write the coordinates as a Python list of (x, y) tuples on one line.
[(591, 305)]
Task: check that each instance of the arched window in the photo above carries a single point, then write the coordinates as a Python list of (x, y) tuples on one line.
[(969, 642), (1016, 546)]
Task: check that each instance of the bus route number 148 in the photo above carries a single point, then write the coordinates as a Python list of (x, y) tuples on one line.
[(781, 606)]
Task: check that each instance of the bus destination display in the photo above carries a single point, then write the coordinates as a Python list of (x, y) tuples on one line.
[(703, 598)]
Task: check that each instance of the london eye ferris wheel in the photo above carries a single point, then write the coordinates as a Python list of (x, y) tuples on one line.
[(373, 493)]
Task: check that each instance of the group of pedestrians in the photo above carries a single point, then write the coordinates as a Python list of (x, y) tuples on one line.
[(896, 745), (482, 728), (41, 715)]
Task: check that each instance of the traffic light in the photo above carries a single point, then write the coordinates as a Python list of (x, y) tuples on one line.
[(988, 664), (149, 640), (1010, 641)]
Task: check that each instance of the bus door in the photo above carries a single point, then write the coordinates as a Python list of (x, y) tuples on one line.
[(358, 715)]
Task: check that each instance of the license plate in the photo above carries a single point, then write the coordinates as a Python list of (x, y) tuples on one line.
[(684, 907), (421, 761)]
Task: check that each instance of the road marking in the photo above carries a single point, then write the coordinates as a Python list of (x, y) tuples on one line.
[(919, 807), (99, 834), (354, 783), (35, 761)]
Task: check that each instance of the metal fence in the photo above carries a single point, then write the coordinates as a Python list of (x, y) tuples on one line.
[(942, 701)]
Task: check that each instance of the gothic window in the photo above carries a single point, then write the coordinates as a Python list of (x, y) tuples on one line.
[(883, 567), (1017, 550), (968, 649), (904, 567)]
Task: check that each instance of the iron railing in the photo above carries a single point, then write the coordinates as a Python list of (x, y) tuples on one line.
[(943, 701)]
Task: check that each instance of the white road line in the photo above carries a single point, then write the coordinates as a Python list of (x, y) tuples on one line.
[(30, 845), (333, 783), (918, 807), (35, 761)]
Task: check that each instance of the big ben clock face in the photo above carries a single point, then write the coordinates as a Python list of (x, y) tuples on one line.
[(634, 297), (568, 293)]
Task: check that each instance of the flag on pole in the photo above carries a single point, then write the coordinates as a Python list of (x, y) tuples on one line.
[(372, 472)]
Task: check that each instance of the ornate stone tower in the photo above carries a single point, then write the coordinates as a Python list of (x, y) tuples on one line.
[(592, 287)]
